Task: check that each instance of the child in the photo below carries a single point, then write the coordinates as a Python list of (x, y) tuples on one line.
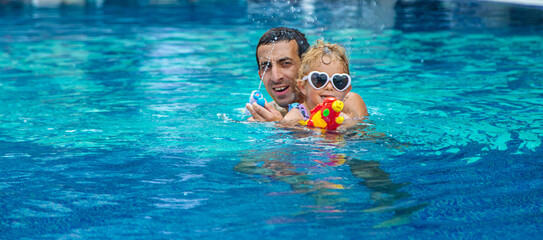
[(324, 72)]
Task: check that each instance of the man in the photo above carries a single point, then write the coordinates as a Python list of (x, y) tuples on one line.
[(278, 55)]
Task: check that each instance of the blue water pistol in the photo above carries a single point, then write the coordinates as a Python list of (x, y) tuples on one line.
[(257, 97)]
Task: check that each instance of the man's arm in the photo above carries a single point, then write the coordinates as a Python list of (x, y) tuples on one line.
[(263, 114)]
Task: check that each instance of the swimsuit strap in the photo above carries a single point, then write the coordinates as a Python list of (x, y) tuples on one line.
[(292, 105), (302, 109)]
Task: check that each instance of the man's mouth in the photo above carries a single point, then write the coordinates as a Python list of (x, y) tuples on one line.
[(280, 89)]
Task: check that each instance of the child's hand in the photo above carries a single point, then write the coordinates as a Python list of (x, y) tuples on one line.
[(345, 116), (263, 114)]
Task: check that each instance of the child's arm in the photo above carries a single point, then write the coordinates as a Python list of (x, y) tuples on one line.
[(293, 117), (355, 106)]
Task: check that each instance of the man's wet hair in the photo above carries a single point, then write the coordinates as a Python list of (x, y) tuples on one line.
[(286, 34)]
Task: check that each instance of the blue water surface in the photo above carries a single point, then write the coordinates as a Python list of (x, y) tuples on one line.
[(127, 121)]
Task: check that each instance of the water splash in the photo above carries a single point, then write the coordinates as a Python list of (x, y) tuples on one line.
[(267, 65)]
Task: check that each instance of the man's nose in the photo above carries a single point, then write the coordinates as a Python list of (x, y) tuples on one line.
[(276, 74)]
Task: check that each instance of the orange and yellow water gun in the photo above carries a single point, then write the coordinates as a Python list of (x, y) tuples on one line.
[(326, 114)]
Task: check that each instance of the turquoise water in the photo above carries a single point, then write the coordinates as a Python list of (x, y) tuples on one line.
[(128, 123)]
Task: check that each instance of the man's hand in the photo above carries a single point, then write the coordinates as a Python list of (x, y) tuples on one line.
[(263, 114)]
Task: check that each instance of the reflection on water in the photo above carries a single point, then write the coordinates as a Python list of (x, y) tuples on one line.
[(317, 170)]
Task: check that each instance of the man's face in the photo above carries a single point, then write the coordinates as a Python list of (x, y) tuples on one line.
[(279, 64)]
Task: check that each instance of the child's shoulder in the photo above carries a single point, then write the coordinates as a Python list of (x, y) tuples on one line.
[(355, 106), (352, 96)]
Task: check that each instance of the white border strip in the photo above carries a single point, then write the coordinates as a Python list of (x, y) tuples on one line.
[(520, 2)]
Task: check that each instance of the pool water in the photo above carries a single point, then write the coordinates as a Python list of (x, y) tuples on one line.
[(127, 122)]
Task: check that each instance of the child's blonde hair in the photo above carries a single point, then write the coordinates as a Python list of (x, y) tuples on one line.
[(325, 53), (320, 51)]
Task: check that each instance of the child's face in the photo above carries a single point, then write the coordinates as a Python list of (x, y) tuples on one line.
[(315, 96)]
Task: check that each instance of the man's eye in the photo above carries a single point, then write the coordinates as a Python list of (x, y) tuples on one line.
[(264, 66), (286, 64)]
